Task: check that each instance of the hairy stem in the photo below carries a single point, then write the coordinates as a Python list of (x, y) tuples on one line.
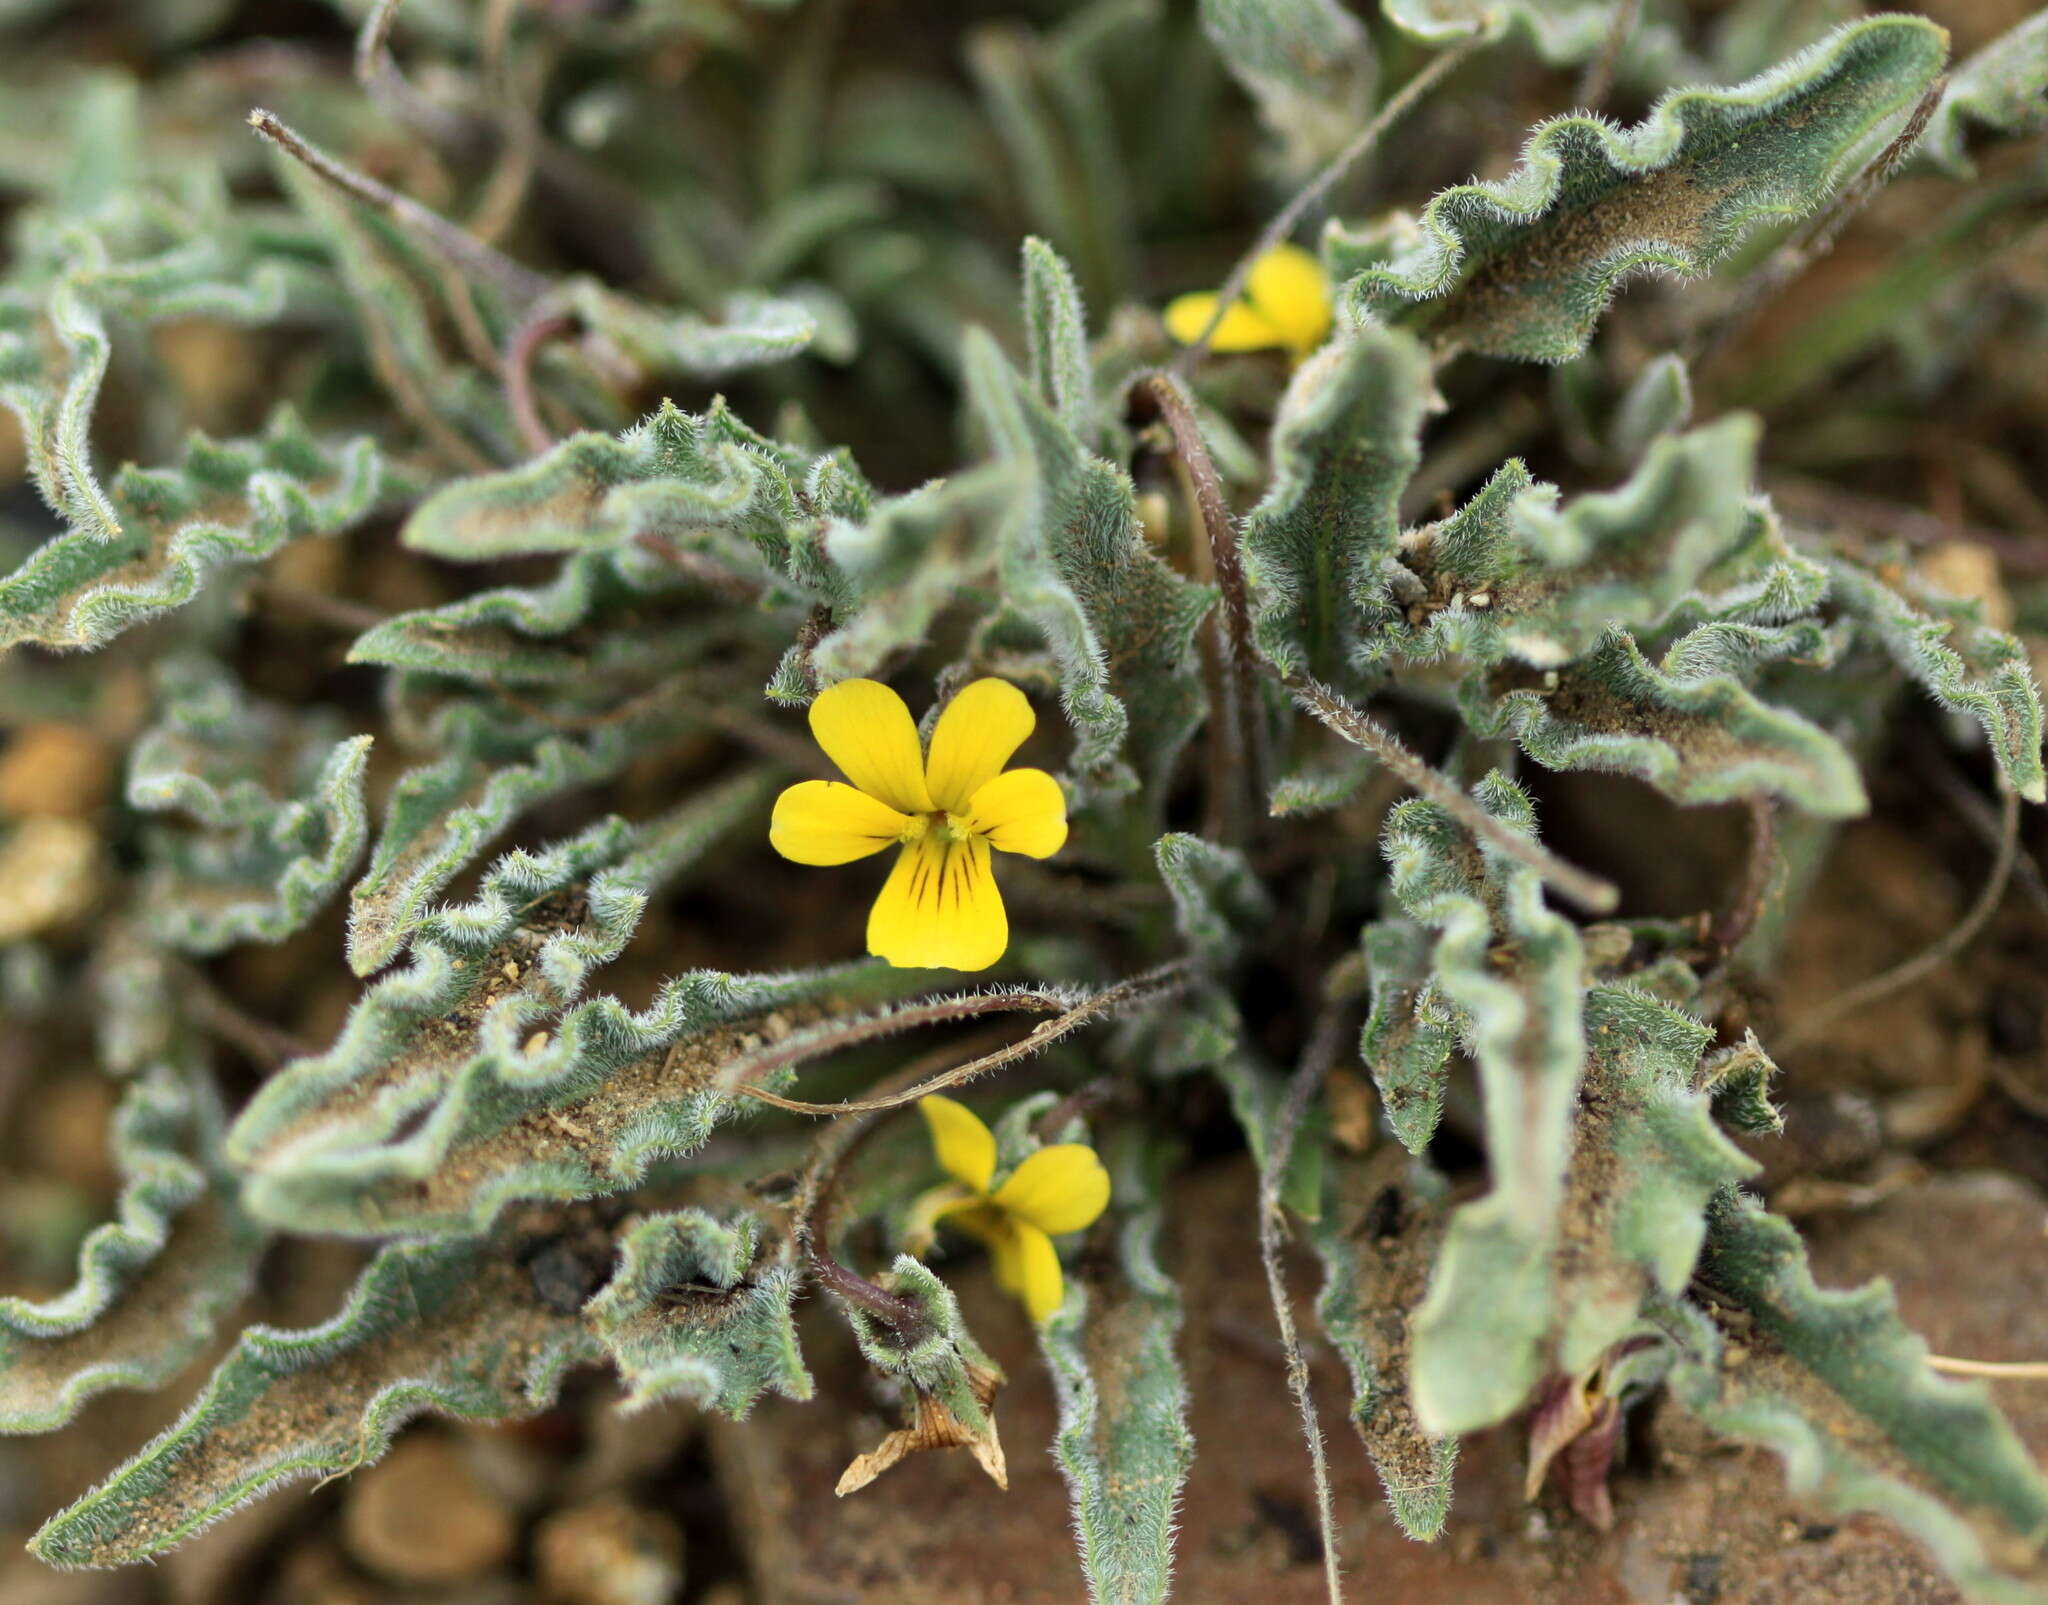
[(1325, 1042), (1587, 891), (1149, 987)]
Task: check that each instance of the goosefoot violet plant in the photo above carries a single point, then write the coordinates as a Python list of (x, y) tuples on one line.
[(561, 469)]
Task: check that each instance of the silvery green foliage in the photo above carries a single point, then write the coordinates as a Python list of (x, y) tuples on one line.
[(1559, 30), (1480, 1333), (462, 1327), (939, 1360), (1307, 63), (1411, 1032), (152, 539), (273, 815), (2003, 88), (1376, 1235), (1955, 657), (151, 1282), (1074, 570), (1837, 1386), (698, 1310), (478, 1075), (523, 1152), (1123, 1441), (1523, 268), (1215, 894), (1346, 440)]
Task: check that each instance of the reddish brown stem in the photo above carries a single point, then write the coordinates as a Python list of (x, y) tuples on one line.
[(538, 329)]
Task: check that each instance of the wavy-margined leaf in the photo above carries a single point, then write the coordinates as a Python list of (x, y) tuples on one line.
[(2002, 88), (223, 503), (698, 1312), (748, 331), (462, 1328), (51, 364), (1410, 1032), (605, 618), (1123, 1440), (1346, 440), (1377, 1237), (275, 808), (707, 483), (1481, 1332), (1951, 653), (491, 767), (152, 1282), (1836, 1386), (184, 247), (1688, 723), (1561, 31), (1523, 268), (1516, 574), (1307, 63), (483, 978), (1217, 899), (1647, 1160), (1075, 567)]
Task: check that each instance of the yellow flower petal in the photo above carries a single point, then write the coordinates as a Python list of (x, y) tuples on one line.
[(1034, 1271), (940, 908), (966, 1148), (1059, 1189), (974, 738), (1243, 327), (934, 1204), (827, 822), (1021, 811), (1027, 1266), (866, 730), (1287, 288)]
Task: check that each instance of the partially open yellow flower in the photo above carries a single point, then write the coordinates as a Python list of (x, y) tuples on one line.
[(1286, 303), (940, 908), (1054, 1191)]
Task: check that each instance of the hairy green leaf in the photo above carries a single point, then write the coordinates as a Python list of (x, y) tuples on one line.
[(275, 807), (1836, 1385), (1523, 268), (698, 1312), (461, 1328)]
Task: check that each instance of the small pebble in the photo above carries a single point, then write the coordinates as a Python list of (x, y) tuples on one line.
[(421, 1516), (609, 1552)]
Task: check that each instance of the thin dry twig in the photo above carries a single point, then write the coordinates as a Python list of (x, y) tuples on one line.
[(378, 73), (810, 1211), (264, 1045), (543, 323), (1162, 394), (1982, 818), (2012, 1370), (1599, 78), (1931, 957), (519, 285), (1283, 224), (1152, 985), (1733, 924), (1325, 1042), (1576, 885)]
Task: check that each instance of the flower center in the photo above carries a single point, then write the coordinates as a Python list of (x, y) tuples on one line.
[(948, 827)]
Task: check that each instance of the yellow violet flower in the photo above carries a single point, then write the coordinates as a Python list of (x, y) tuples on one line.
[(1286, 303), (1057, 1190), (940, 908)]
